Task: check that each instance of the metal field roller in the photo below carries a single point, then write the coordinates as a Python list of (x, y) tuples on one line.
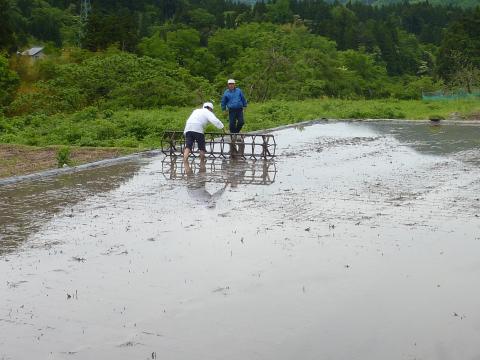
[(244, 146)]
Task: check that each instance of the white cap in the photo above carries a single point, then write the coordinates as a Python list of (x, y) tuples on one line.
[(231, 81), (208, 105)]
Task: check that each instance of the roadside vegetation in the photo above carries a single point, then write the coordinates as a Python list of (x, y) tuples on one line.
[(142, 129)]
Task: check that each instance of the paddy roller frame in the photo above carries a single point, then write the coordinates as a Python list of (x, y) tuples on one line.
[(244, 146)]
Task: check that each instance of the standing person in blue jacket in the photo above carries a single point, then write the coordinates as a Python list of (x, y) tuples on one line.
[(235, 102)]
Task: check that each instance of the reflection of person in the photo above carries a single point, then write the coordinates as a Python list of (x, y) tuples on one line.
[(196, 186), (235, 102), (195, 127), (235, 171)]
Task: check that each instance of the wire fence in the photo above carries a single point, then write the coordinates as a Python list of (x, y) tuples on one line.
[(450, 95)]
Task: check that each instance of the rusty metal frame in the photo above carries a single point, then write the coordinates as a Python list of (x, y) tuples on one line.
[(243, 146)]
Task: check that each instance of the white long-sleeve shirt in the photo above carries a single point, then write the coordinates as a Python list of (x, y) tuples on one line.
[(199, 120)]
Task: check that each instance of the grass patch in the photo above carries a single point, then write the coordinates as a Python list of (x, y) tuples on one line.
[(142, 129)]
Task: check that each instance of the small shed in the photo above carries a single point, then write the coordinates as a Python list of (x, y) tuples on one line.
[(34, 53)]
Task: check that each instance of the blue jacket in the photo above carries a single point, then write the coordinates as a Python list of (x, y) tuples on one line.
[(233, 99)]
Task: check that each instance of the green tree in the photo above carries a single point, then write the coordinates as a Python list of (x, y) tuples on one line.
[(114, 80), (228, 44), (103, 30), (344, 27), (7, 26), (200, 19), (460, 46), (387, 40), (183, 42), (279, 11), (291, 64), (371, 78), (9, 82), (203, 63), (259, 11), (156, 47), (46, 23), (466, 76)]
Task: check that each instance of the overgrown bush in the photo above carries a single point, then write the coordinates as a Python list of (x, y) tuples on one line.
[(63, 156), (118, 80), (143, 128), (9, 82)]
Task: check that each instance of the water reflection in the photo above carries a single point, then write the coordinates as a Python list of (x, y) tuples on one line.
[(435, 138), (26, 206), (225, 171), (196, 185)]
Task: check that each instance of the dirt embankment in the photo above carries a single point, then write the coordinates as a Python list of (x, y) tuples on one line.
[(474, 116), (21, 160)]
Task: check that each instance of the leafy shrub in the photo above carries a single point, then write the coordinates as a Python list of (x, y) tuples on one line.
[(10, 139), (437, 117), (359, 114), (72, 134), (86, 114), (120, 79), (86, 140), (32, 141), (107, 114), (391, 113), (5, 127), (412, 87), (9, 81), (105, 130), (63, 156), (127, 142)]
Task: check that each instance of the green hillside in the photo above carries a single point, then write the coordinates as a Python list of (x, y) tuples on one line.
[(148, 54)]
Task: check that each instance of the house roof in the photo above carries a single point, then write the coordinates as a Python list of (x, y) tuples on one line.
[(33, 51)]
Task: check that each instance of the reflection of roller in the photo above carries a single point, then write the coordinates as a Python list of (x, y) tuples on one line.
[(245, 146), (233, 170), (237, 145)]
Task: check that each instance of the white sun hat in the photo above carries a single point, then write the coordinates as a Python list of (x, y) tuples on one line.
[(208, 105), (231, 81)]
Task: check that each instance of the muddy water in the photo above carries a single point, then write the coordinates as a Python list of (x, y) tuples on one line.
[(27, 206), (361, 241)]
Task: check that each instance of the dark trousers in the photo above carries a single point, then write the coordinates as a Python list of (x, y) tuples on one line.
[(236, 120), (191, 137)]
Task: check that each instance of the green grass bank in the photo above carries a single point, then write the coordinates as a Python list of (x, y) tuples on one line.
[(141, 129)]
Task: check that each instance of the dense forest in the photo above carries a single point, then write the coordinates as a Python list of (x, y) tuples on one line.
[(152, 53), (460, 3)]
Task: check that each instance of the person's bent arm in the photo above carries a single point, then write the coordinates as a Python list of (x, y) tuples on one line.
[(215, 121)]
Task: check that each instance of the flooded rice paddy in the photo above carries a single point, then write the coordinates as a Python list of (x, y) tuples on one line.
[(360, 241)]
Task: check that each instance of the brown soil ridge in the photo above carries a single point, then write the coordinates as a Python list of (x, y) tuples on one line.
[(17, 160)]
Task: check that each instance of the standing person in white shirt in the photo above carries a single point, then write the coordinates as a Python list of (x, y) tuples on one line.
[(195, 127)]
